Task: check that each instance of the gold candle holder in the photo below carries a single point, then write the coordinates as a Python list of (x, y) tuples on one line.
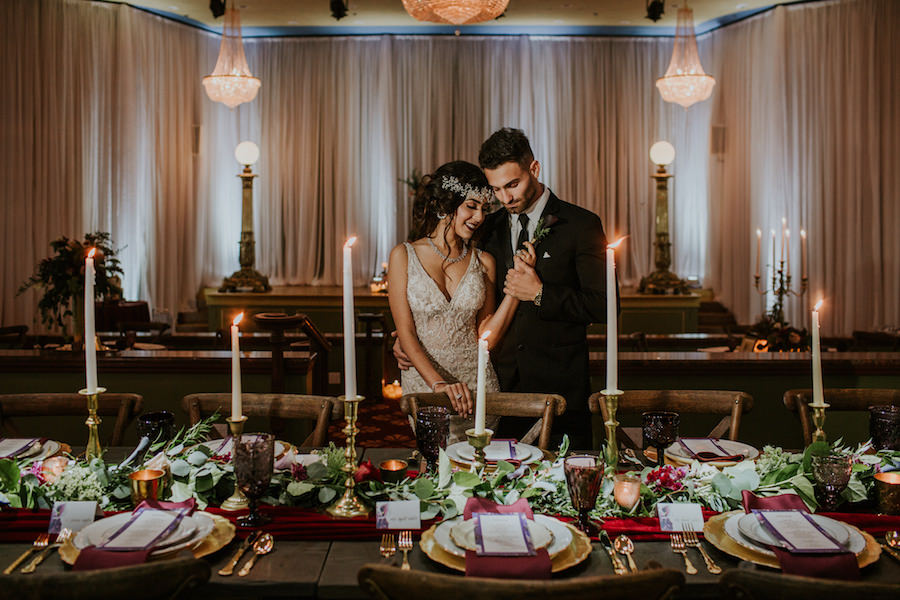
[(479, 441), (819, 421), (237, 500), (349, 505), (611, 399), (93, 449)]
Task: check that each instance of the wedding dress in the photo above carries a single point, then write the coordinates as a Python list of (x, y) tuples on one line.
[(447, 332)]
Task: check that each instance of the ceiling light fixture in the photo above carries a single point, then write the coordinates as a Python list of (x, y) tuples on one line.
[(655, 9), (338, 9), (685, 82), (231, 82), (455, 12)]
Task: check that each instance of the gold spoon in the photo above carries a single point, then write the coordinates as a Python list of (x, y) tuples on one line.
[(263, 545), (893, 543), (624, 546)]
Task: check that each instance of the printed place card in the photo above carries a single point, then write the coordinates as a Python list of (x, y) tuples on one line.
[(797, 531), (679, 516), (502, 534), (71, 515), (398, 514), (144, 529)]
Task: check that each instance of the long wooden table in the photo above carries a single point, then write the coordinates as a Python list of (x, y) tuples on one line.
[(327, 570)]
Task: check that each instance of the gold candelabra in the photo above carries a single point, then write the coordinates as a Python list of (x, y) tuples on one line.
[(237, 500), (349, 505), (611, 399), (781, 287), (819, 421), (93, 449), (479, 441)]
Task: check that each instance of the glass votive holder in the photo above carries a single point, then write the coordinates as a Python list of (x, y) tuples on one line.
[(146, 484), (884, 427), (887, 492), (393, 470), (627, 490)]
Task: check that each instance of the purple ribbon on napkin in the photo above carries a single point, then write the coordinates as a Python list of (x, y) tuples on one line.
[(710, 456)]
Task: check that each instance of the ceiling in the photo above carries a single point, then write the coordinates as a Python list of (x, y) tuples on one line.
[(549, 17)]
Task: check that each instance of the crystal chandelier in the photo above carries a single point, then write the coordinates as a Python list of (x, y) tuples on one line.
[(455, 12), (685, 82), (231, 82)]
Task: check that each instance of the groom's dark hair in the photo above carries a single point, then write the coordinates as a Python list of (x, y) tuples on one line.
[(505, 145)]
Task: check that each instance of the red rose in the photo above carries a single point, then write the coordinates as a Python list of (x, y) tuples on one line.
[(366, 471)]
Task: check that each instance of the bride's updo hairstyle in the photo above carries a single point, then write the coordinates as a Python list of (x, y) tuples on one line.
[(442, 192)]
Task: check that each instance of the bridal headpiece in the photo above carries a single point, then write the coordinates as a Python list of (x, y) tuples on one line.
[(449, 182)]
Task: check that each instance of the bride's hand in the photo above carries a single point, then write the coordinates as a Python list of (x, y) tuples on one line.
[(527, 255), (460, 397)]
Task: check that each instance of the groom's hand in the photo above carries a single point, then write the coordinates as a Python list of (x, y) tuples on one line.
[(522, 282), (402, 359)]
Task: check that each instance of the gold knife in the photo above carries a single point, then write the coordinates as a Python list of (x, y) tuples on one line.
[(229, 568), (617, 564)]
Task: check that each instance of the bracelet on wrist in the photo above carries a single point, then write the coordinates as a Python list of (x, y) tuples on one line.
[(435, 384)]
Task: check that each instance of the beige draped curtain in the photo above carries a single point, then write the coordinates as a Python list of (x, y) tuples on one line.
[(106, 126)]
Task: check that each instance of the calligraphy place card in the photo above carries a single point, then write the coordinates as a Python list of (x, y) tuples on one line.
[(399, 514), (679, 516), (502, 534)]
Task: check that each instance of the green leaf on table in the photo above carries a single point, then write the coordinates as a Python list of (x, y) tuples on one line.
[(180, 468), (197, 458), (466, 479), (503, 469), (804, 489), (203, 482), (855, 491), (814, 449), (423, 488), (722, 484), (444, 469), (326, 494), (316, 470), (430, 511), (121, 492), (449, 508), (298, 488), (9, 475), (175, 450), (180, 491)]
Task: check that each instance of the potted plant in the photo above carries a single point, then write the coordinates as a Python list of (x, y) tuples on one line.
[(62, 278)]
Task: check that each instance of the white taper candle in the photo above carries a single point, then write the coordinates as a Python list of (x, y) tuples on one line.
[(349, 324), (236, 404), (480, 390), (818, 392), (612, 324), (90, 339)]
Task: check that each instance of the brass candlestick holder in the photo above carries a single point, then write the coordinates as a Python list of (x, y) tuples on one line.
[(237, 500), (349, 505), (611, 399), (819, 421), (93, 449), (479, 441)]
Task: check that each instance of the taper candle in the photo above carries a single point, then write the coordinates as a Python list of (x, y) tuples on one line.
[(787, 245), (802, 254), (236, 404), (90, 336), (818, 393), (480, 389), (758, 249), (349, 323), (612, 316)]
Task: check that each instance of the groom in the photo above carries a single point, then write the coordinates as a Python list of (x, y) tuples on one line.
[(545, 348)]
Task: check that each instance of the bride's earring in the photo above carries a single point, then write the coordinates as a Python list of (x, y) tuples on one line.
[(441, 217)]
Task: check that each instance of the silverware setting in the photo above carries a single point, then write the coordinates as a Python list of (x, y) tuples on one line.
[(624, 545), (617, 565), (692, 541), (229, 568), (406, 545), (678, 547), (61, 538), (40, 543), (388, 546), (261, 547), (892, 539)]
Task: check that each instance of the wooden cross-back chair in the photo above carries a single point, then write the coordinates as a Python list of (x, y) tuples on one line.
[(321, 409), (125, 407), (729, 404), (842, 399), (754, 584), (502, 404), (384, 582)]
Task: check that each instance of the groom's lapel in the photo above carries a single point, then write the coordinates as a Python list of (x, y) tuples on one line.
[(545, 247), (503, 236)]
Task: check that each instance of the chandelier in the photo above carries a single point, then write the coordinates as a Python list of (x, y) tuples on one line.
[(455, 12), (685, 82), (231, 82)]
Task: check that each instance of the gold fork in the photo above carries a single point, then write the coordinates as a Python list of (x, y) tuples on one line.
[(388, 545), (692, 541), (61, 539), (678, 547), (406, 545), (40, 543)]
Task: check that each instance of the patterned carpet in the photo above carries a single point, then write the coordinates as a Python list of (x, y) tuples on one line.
[(381, 425)]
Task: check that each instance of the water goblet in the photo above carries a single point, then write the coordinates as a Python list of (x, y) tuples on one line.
[(432, 431), (158, 426), (660, 430), (254, 460), (884, 427), (832, 473), (584, 475)]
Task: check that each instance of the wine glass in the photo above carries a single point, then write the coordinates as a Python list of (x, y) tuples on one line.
[(254, 460), (584, 474), (884, 427), (832, 473), (660, 430), (158, 426), (432, 431)]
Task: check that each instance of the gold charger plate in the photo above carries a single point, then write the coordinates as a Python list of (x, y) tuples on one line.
[(464, 466), (218, 538), (578, 550), (714, 532)]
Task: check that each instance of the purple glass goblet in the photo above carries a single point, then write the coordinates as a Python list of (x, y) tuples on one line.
[(432, 431), (884, 427), (584, 475), (660, 429), (254, 461)]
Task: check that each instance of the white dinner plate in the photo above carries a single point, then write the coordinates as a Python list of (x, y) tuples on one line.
[(857, 542), (751, 528), (50, 448), (92, 534), (496, 450), (677, 453), (453, 452), (463, 535), (15, 443), (562, 536), (153, 520)]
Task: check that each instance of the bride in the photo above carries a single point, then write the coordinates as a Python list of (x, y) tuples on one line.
[(441, 291)]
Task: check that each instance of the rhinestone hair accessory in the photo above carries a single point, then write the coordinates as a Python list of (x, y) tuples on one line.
[(449, 182)]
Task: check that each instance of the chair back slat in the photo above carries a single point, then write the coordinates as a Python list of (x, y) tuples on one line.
[(840, 399), (755, 584)]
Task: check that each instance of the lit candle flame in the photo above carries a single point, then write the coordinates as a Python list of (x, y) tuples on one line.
[(350, 242), (784, 221), (819, 304), (237, 319), (485, 335), (803, 233), (759, 233), (787, 233), (773, 234), (615, 244), (92, 252)]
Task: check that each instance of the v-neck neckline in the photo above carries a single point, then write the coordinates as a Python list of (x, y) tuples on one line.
[(435, 283)]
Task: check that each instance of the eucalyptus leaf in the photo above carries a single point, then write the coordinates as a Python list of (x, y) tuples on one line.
[(429, 512), (316, 470), (203, 482), (298, 488), (121, 492), (466, 479), (722, 484), (326, 495), (9, 474), (424, 488), (175, 450), (180, 468), (855, 491), (180, 491), (197, 458)]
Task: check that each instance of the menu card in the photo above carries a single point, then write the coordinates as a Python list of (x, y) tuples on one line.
[(144, 529), (12, 447), (502, 535), (797, 531)]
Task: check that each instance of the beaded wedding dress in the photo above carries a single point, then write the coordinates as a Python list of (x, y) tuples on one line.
[(447, 332)]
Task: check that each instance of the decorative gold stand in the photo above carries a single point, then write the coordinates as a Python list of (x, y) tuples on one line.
[(611, 399), (349, 506), (237, 500), (819, 421), (479, 441), (93, 449), (662, 280), (247, 277)]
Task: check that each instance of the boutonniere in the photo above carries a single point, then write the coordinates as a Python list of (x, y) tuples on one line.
[(543, 228)]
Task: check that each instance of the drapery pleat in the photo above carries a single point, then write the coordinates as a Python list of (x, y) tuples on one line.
[(106, 126)]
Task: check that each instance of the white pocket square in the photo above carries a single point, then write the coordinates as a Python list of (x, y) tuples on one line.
[(546, 255)]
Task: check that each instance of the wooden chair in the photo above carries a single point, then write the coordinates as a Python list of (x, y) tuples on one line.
[(847, 399), (176, 578), (125, 407), (731, 405), (501, 404), (322, 409), (755, 584), (384, 582)]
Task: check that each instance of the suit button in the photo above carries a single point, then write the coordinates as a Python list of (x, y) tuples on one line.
[(520, 347)]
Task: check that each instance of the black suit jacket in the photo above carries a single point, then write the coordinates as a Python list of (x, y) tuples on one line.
[(545, 348)]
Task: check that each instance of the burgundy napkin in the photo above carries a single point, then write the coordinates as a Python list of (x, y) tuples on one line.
[(505, 567), (711, 456), (92, 558), (839, 565)]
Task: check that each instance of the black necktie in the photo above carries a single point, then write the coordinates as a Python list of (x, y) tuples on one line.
[(523, 232)]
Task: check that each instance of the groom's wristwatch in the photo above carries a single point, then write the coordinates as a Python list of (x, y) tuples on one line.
[(540, 295)]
